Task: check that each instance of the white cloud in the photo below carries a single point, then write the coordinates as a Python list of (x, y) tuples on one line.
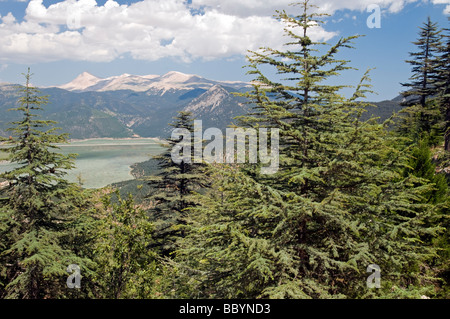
[(441, 1), (149, 30), (153, 29), (262, 7), (447, 2)]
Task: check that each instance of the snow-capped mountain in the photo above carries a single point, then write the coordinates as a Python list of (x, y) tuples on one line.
[(122, 82), (129, 105), (81, 82), (173, 80)]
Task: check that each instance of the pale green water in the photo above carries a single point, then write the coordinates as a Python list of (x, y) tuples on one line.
[(104, 161)]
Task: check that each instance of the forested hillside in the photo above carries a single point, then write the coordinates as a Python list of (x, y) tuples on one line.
[(351, 194), (119, 113)]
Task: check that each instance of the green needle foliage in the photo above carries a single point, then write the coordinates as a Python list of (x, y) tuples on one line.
[(443, 84), (338, 203), (126, 264), (421, 117), (39, 207), (424, 64), (174, 186), (421, 165), (348, 193)]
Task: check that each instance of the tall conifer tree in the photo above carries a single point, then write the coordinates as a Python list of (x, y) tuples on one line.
[(443, 85), (38, 208), (425, 74), (174, 185), (338, 203)]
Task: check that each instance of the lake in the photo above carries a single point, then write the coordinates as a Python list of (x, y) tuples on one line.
[(105, 161)]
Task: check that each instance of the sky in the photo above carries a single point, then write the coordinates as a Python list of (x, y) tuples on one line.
[(59, 39)]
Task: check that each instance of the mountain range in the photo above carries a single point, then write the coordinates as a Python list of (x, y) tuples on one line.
[(131, 105), (135, 105), (158, 84)]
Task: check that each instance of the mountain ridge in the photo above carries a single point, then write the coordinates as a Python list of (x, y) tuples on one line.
[(134, 105), (86, 82), (129, 105)]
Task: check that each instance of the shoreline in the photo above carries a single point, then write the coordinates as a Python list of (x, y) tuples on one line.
[(156, 139), (72, 140), (121, 174)]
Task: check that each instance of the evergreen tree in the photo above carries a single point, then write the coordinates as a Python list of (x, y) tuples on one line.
[(126, 264), (38, 208), (422, 83), (443, 85), (443, 242), (228, 252), (421, 165), (174, 185), (338, 203)]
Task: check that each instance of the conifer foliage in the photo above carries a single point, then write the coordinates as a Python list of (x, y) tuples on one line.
[(424, 64), (421, 116), (126, 267), (338, 204), (426, 115), (443, 85), (349, 195), (38, 207), (175, 184)]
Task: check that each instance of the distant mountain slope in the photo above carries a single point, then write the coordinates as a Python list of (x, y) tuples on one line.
[(384, 109), (217, 107), (173, 80), (127, 105), (76, 114), (81, 82)]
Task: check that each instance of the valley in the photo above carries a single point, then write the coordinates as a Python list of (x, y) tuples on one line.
[(131, 105), (141, 106), (101, 162), (111, 122)]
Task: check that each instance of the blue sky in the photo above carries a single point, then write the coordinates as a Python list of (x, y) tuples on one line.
[(60, 39)]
